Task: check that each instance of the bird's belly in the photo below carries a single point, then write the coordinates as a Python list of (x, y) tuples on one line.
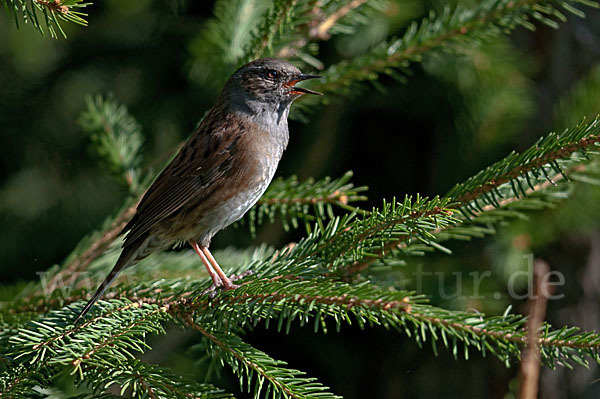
[(233, 208), (229, 204)]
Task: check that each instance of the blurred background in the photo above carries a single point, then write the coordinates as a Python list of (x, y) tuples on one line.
[(444, 123)]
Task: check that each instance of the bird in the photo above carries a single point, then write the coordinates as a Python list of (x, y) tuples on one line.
[(219, 173)]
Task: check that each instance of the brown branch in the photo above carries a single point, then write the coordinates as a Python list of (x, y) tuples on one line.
[(335, 197), (509, 337), (145, 385), (95, 249), (529, 373), (318, 28), (341, 300), (404, 305), (174, 307), (322, 30)]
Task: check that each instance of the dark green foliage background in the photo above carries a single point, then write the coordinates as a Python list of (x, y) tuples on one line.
[(445, 123)]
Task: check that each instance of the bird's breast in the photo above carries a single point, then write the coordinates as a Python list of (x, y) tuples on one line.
[(255, 158)]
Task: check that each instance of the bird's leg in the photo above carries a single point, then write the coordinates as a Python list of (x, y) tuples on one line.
[(215, 277), (227, 284), (219, 277)]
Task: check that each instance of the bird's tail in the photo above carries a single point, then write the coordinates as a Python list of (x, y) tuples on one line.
[(131, 253)]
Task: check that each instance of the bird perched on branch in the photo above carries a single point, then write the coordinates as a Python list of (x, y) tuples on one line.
[(220, 172)]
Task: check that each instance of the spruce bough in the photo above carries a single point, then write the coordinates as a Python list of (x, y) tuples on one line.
[(330, 277)]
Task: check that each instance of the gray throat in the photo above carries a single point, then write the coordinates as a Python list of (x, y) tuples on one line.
[(272, 117)]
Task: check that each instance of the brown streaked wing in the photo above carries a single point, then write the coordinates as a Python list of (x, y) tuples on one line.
[(188, 177)]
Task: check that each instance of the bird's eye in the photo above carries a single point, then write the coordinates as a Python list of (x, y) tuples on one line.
[(272, 74)]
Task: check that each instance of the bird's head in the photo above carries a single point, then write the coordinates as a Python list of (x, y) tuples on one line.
[(271, 80)]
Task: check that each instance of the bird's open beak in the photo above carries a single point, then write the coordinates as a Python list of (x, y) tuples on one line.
[(301, 90)]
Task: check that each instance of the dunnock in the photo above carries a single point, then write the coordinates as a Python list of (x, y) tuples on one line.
[(220, 172)]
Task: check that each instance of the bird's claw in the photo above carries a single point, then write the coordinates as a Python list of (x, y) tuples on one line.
[(212, 290)]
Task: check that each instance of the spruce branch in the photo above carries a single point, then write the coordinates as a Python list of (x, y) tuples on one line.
[(52, 13), (534, 179), (272, 23), (290, 25), (450, 31), (285, 301), (345, 241), (19, 381), (116, 137), (318, 25), (220, 46), (531, 166), (52, 345), (255, 368), (145, 380), (107, 338), (292, 200), (288, 298), (478, 225), (121, 325), (413, 222)]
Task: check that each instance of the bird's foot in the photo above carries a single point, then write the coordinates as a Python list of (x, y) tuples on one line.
[(227, 285)]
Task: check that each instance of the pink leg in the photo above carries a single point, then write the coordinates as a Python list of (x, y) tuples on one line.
[(227, 284), (216, 273), (215, 277)]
